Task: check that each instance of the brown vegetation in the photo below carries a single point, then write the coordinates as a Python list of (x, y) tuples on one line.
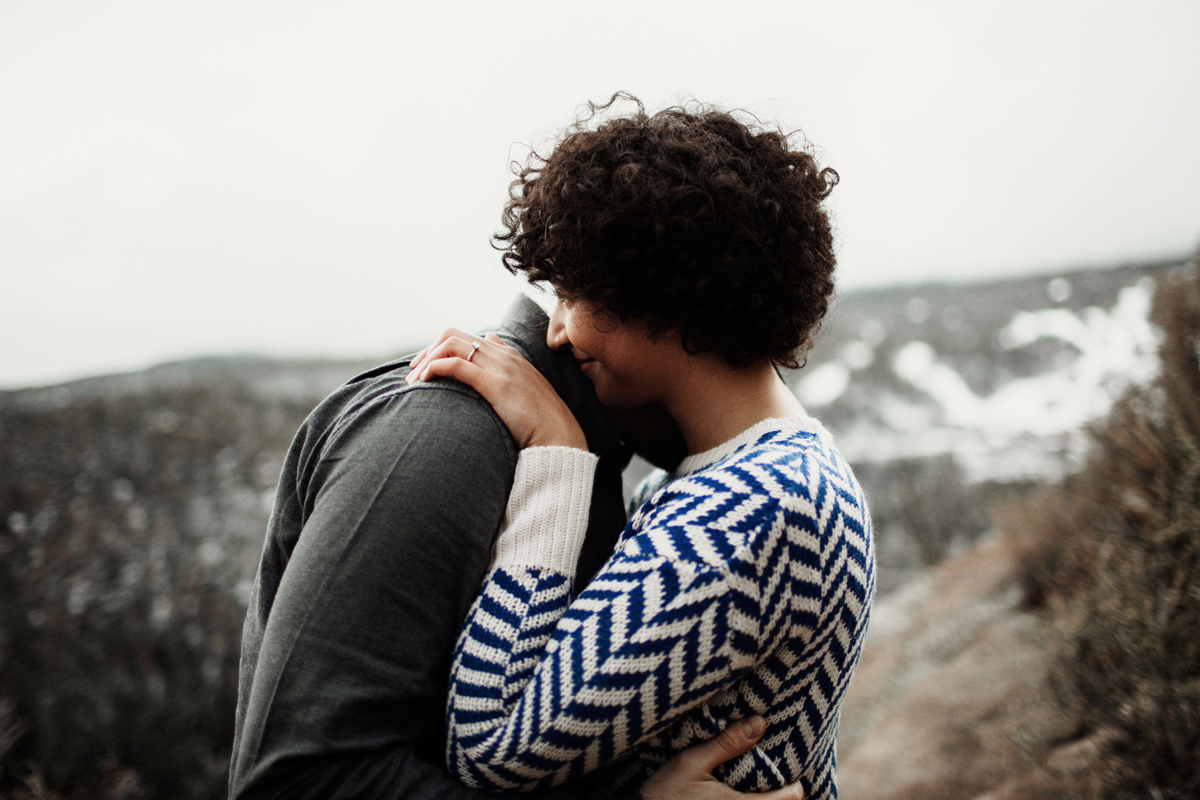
[(1113, 558), (125, 527)]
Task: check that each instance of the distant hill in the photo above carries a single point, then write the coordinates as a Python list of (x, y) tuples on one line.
[(265, 377)]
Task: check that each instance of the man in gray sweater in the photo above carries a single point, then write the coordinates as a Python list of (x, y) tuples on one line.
[(381, 533)]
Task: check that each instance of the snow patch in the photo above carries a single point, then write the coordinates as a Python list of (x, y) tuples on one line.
[(873, 332), (1058, 290), (1029, 427), (857, 354), (917, 310), (824, 384)]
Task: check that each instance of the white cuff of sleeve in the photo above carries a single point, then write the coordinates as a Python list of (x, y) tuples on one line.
[(547, 514)]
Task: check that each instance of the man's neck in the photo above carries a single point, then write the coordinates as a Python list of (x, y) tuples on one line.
[(652, 433)]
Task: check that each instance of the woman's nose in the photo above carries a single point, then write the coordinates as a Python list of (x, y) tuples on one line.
[(556, 333)]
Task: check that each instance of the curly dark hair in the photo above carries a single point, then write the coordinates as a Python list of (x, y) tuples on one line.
[(689, 220)]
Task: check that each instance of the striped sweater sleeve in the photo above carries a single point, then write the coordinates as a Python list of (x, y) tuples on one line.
[(542, 690)]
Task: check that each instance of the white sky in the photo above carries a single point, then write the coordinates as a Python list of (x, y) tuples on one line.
[(293, 178)]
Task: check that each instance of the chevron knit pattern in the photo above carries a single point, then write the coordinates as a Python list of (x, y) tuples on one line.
[(742, 586)]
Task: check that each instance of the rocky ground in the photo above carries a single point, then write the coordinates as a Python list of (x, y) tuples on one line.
[(952, 698)]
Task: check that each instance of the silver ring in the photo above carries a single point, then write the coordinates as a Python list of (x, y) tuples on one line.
[(474, 350)]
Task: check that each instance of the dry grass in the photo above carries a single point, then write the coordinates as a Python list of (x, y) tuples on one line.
[(1113, 555), (124, 529)]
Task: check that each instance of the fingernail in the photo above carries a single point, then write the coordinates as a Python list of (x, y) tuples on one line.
[(753, 727)]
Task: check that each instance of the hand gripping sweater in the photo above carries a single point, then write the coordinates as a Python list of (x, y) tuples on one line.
[(741, 586)]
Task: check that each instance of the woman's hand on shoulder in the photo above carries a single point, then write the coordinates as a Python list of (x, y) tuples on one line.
[(526, 402)]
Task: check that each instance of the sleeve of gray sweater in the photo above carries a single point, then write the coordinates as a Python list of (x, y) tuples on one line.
[(381, 533)]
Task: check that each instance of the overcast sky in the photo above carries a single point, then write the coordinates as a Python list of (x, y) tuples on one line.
[(297, 178)]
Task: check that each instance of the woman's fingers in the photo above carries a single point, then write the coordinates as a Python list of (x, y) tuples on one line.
[(469, 373), (449, 333), (456, 343), (447, 348), (526, 402)]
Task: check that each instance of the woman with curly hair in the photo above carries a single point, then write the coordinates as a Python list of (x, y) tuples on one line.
[(691, 256)]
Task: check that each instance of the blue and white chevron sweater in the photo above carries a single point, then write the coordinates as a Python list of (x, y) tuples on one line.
[(741, 586)]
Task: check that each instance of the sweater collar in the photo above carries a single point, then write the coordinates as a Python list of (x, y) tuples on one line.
[(749, 436)]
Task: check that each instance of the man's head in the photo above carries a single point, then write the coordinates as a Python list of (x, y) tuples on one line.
[(690, 221)]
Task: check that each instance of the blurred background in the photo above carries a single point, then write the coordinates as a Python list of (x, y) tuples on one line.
[(213, 213)]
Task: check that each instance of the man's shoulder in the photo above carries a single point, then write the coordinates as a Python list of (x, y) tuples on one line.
[(378, 410), (383, 394)]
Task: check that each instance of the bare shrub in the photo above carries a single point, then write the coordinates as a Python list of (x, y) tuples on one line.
[(124, 526), (1114, 555)]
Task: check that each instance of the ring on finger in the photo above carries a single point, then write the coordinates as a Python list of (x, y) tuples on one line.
[(474, 350)]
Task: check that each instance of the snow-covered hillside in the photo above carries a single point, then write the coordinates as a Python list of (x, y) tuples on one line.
[(1002, 376)]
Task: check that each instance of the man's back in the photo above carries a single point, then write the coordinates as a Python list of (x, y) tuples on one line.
[(383, 522)]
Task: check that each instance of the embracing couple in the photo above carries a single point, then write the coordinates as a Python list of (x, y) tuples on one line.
[(452, 600)]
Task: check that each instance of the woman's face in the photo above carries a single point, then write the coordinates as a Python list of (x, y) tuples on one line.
[(624, 364)]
